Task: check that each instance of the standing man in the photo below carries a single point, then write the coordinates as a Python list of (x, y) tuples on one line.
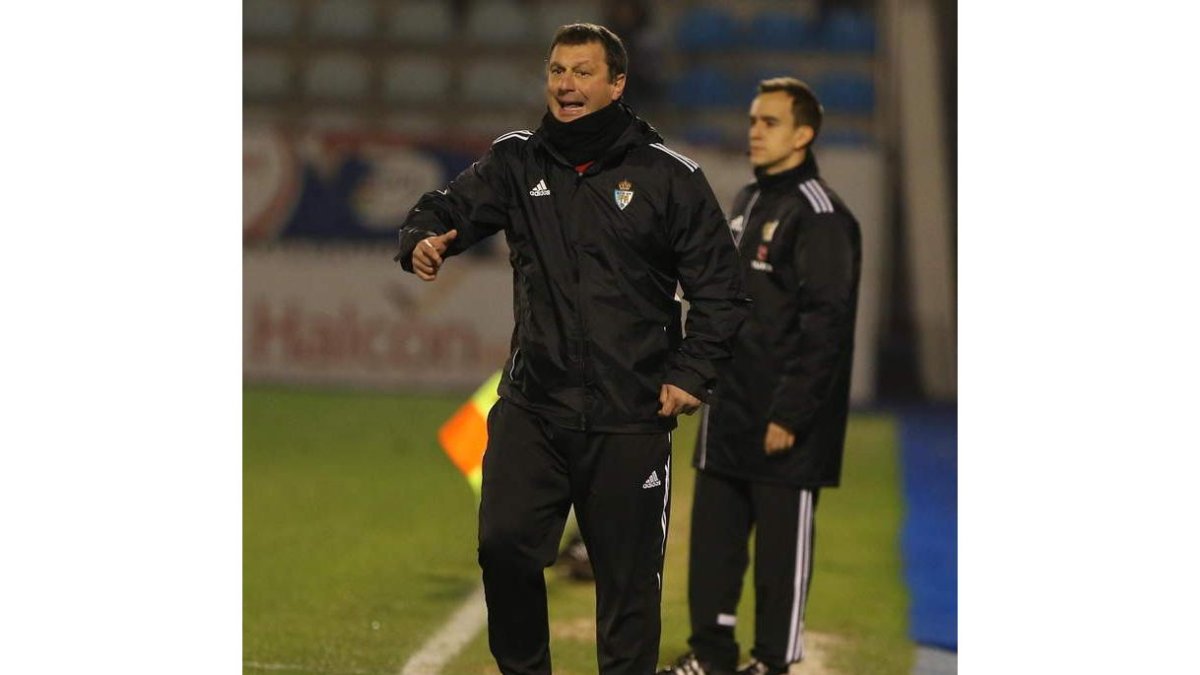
[(772, 434), (602, 221)]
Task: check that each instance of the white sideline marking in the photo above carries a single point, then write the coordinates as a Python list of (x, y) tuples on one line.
[(255, 665), (448, 641)]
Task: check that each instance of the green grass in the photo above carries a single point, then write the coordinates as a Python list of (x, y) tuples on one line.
[(352, 516), (358, 533)]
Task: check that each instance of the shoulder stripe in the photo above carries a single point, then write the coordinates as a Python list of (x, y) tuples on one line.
[(816, 196), (522, 134), (819, 190), (689, 163)]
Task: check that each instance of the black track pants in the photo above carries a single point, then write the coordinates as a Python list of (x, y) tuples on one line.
[(620, 486), (723, 512)]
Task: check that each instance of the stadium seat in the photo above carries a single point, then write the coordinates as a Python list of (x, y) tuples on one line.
[(489, 124), (705, 87), (416, 80), (706, 29), (846, 93), (748, 84), (343, 19), (498, 22), (848, 31), (705, 135), (776, 30), (265, 74), (500, 83), (553, 15), (337, 76), (845, 138), (269, 18), (422, 22)]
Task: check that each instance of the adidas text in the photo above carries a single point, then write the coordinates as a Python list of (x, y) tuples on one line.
[(540, 190), (652, 481)]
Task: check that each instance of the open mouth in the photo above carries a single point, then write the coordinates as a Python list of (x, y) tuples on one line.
[(571, 107)]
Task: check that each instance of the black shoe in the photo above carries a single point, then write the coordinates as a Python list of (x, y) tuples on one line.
[(688, 664), (756, 667)]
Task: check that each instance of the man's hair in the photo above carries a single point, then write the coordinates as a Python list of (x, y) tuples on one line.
[(583, 33), (806, 109)]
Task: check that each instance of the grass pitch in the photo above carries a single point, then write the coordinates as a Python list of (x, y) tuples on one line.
[(359, 541)]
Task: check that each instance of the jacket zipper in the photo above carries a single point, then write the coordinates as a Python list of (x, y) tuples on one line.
[(581, 313), (737, 238)]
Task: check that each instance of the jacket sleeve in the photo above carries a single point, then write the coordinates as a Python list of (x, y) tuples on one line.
[(826, 259), (708, 269), (474, 203)]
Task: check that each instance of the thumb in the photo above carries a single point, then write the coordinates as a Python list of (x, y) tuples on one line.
[(450, 236)]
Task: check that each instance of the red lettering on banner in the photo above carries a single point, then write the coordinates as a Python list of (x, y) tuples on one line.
[(293, 337), (267, 330)]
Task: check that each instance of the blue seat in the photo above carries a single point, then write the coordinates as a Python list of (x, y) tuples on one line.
[(704, 87), (749, 83), (848, 31), (706, 29), (704, 135), (846, 93), (846, 138), (782, 31)]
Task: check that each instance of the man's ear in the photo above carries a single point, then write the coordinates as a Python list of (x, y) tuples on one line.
[(619, 86), (804, 136)]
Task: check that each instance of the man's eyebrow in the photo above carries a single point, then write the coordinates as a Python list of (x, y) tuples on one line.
[(577, 64)]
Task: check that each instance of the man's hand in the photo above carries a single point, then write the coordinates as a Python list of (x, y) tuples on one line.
[(675, 401), (427, 256), (778, 439)]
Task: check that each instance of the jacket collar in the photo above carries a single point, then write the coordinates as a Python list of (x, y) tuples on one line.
[(806, 170), (638, 133)]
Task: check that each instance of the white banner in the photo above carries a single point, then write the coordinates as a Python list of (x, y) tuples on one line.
[(348, 316)]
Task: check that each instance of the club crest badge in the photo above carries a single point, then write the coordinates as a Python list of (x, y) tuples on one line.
[(623, 194), (769, 230)]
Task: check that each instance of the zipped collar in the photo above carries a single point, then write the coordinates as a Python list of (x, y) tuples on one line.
[(788, 179)]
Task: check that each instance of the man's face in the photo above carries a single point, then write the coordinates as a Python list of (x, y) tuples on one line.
[(776, 142), (577, 81)]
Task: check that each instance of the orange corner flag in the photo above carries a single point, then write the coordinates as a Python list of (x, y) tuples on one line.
[(464, 435)]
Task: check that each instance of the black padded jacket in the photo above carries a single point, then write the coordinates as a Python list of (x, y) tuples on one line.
[(596, 257), (801, 251)]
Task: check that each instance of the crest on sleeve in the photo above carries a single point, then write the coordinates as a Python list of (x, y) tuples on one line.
[(623, 194)]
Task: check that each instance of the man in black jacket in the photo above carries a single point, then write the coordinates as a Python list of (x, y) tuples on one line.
[(772, 434), (602, 221)]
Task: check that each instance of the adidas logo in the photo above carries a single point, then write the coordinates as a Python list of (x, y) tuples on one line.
[(540, 190), (652, 481)]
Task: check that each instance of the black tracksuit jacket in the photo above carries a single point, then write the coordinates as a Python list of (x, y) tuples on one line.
[(801, 252), (596, 257)]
